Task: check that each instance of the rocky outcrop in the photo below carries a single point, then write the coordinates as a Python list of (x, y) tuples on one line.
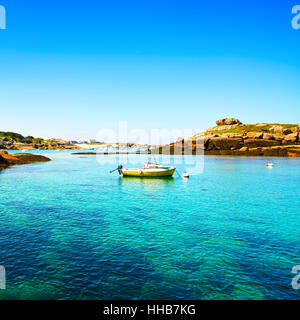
[(40, 146), (231, 137), (223, 143), (268, 136), (291, 138), (7, 160), (15, 141), (3, 162), (228, 121), (255, 135), (276, 151)]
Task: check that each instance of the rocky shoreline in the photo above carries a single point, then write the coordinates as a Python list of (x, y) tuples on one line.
[(231, 137), (15, 141), (49, 145), (7, 160)]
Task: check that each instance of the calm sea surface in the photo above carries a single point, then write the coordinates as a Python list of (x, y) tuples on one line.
[(71, 230)]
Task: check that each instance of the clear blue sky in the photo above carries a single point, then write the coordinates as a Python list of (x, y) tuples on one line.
[(69, 68)]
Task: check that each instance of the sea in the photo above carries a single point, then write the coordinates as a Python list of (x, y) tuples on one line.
[(70, 229)]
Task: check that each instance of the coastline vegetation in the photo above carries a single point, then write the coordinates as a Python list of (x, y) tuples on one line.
[(245, 128), (16, 141), (229, 137), (16, 137)]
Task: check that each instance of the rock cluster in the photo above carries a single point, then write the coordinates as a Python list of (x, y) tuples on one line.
[(228, 121), (231, 137), (3, 162), (215, 140), (44, 145), (7, 160)]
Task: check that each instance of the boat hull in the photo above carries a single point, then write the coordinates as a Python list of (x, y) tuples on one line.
[(144, 173)]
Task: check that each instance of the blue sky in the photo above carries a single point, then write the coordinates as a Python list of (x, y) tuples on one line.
[(70, 68)]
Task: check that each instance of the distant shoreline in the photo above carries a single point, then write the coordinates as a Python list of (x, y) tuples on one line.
[(283, 151), (109, 145), (229, 137)]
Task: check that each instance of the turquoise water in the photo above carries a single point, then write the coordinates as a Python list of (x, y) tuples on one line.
[(70, 230)]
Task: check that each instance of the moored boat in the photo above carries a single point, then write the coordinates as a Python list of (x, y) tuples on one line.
[(148, 171)]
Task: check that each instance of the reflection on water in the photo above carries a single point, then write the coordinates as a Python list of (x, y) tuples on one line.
[(149, 183)]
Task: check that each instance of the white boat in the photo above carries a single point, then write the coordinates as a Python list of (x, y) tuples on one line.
[(153, 165), (150, 170), (269, 164)]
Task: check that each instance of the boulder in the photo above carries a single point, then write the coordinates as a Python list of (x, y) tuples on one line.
[(296, 128), (21, 158), (287, 131), (276, 129), (292, 137), (278, 137), (3, 162), (268, 136), (228, 121), (255, 135)]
